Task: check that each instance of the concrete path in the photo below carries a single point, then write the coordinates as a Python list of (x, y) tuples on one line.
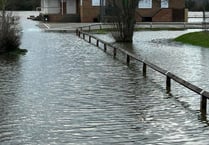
[(62, 27), (71, 27)]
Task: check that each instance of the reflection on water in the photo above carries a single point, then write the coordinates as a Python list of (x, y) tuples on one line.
[(187, 61), (66, 91)]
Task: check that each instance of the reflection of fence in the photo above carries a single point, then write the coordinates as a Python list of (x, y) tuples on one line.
[(169, 76)]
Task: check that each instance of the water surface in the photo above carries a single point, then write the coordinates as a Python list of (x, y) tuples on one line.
[(66, 91)]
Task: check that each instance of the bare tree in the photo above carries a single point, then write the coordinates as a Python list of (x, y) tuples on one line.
[(123, 18), (10, 32)]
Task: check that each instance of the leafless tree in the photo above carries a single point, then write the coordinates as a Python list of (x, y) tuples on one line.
[(123, 18), (10, 32)]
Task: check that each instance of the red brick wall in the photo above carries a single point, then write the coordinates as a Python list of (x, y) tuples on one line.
[(159, 14), (88, 12), (177, 4), (164, 15), (55, 17)]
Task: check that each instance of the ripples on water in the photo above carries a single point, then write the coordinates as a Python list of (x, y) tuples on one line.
[(65, 91)]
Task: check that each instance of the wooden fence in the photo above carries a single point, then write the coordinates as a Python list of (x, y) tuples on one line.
[(151, 25), (169, 76)]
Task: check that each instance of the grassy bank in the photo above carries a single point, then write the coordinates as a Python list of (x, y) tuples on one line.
[(195, 38)]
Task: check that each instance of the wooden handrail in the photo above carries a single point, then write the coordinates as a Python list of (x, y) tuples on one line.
[(169, 76), (180, 25)]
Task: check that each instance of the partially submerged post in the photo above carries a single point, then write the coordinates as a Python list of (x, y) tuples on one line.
[(168, 83), (203, 104)]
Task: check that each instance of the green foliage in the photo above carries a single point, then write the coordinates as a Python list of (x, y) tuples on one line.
[(195, 38)]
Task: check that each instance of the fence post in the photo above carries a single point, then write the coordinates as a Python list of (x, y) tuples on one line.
[(97, 43), (89, 28), (89, 39), (128, 59), (76, 32), (144, 69), (105, 47), (79, 33), (203, 104), (83, 36), (168, 83), (184, 25), (114, 52)]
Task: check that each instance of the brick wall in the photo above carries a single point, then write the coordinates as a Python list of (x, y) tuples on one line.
[(177, 4), (89, 13), (64, 18), (164, 15)]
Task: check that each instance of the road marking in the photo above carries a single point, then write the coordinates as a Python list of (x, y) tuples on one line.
[(47, 26)]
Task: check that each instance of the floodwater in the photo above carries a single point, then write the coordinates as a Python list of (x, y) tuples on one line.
[(66, 91)]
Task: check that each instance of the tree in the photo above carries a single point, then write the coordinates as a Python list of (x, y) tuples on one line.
[(10, 33), (197, 5), (190, 4), (123, 18), (23, 5)]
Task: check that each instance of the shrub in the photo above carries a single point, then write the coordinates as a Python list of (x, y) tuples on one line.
[(10, 32)]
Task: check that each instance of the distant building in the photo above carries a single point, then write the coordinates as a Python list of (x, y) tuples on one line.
[(90, 10), (162, 11)]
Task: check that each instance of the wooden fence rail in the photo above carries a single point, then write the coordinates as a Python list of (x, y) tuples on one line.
[(176, 25), (169, 76)]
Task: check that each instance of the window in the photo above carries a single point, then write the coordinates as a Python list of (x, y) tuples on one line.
[(145, 4), (164, 4), (95, 2)]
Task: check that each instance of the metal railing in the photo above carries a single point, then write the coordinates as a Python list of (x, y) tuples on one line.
[(169, 76)]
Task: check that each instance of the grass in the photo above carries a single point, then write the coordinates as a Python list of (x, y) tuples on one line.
[(195, 38), (15, 52)]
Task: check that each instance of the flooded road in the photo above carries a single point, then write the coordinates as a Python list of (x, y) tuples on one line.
[(66, 91)]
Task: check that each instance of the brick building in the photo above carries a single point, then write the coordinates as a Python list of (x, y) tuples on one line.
[(90, 10), (162, 11)]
